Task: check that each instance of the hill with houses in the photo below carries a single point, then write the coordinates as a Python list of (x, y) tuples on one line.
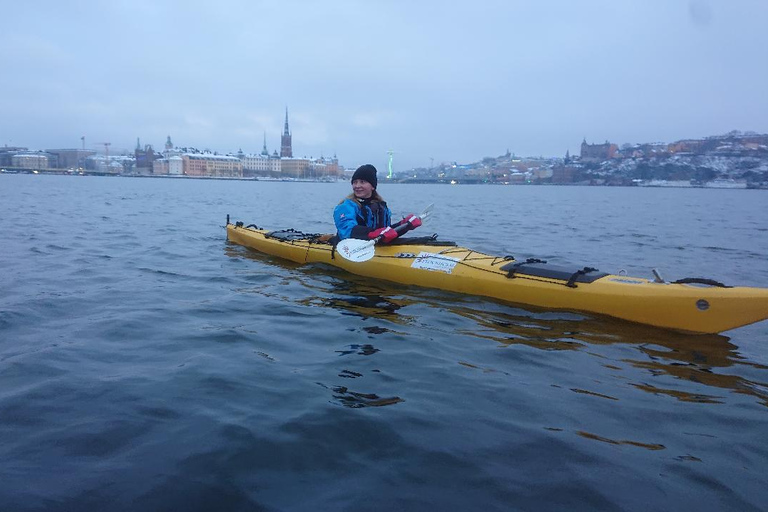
[(733, 160)]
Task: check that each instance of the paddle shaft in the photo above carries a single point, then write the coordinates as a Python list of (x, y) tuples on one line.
[(358, 250), (399, 229)]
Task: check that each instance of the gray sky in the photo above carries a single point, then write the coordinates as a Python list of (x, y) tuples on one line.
[(452, 81)]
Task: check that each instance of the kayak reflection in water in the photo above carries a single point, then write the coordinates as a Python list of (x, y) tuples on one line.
[(364, 215)]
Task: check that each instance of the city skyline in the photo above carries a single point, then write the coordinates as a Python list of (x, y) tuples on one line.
[(101, 148), (429, 82)]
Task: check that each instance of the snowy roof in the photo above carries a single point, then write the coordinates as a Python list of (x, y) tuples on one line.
[(209, 156)]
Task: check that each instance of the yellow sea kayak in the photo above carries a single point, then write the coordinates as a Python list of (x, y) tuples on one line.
[(695, 306)]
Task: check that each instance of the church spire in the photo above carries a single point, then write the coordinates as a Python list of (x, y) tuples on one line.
[(285, 141), (264, 148)]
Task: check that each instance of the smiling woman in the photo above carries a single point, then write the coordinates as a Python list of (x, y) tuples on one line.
[(364, 210), (365, 215)]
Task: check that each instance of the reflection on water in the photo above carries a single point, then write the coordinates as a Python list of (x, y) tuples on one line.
[(701, 374), (376, 330), (695, 358), (362, 350), (357, 296), (362, 305), (349, 398), (617, 442), (356, 400), (330, 287)]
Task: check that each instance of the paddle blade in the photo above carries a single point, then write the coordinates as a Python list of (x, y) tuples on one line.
[(427, 212), (356, 250)]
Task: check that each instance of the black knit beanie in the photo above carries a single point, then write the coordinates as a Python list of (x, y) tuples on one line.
[(366, 172)]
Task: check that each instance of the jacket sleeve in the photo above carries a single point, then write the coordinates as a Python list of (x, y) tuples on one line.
[(345, 217)]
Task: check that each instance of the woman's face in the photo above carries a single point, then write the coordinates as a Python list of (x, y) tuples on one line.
[(362, 189)]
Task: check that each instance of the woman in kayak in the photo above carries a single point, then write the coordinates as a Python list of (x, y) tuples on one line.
[(363, 214)]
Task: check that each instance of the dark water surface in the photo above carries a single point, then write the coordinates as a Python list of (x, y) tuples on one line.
[(147, 364)]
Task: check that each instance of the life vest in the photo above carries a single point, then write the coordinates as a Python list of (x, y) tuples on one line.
[(355, 219)]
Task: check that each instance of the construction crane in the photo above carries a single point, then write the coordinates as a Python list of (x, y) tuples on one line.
[(106, 148)]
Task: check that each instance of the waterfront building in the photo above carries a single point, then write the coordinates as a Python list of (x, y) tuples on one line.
[(144, 158), (199, 164), (160, 166), (563, 174), (597, 152), (295, 168), (207, 164), (184, 162), (38, 160), (262, 164), (69, 158), (112, 165), (7, 152), (175, 166), (326, 167)]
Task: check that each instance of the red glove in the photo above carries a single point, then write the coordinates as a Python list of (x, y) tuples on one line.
[(387, 234), (412, 220)]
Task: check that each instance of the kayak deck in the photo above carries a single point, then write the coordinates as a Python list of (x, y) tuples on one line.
[(683, 307)]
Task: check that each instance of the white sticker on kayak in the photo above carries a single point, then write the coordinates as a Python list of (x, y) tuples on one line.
[(431, 261)]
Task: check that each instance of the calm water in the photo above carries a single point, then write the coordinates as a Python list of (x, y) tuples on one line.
[(147, 364)]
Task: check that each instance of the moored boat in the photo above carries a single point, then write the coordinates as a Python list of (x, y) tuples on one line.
[(688, 305)]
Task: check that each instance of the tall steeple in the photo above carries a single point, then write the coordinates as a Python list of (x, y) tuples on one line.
[(285, 140), (264, 149)]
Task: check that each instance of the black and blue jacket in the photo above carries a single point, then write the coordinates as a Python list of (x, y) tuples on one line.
[(357, 218)]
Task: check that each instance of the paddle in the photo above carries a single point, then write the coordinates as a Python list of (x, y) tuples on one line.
[(358, 251)]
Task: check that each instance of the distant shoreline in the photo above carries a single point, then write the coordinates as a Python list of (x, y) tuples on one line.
[(708, 185)]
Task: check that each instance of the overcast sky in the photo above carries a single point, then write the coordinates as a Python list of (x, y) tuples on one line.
[(443, 80)]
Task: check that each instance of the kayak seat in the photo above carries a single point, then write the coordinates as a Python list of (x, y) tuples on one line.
[(539, 268), (290, 235)]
